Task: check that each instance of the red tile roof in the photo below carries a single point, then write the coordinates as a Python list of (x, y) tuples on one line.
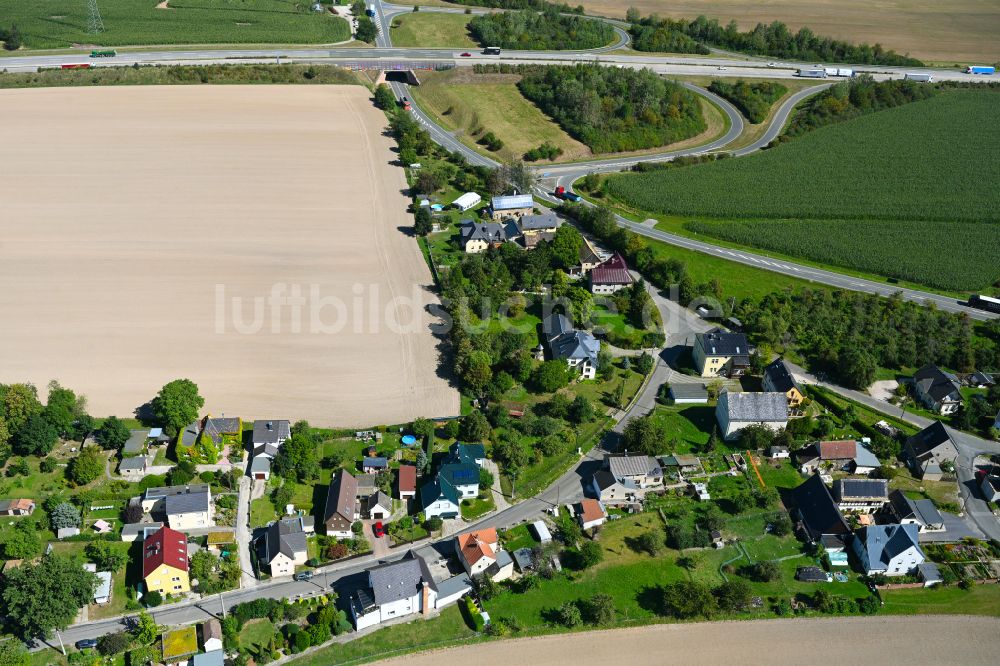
[(477, 545), (407, 478), (590, 510), (166, 546), (842, 450), (612, 271)]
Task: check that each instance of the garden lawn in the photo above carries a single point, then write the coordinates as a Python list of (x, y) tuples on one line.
[(432, 30), (256, 632), (447, 629), (980, 600), (915, 171), (689, 425), (478, 507), (49, 24)]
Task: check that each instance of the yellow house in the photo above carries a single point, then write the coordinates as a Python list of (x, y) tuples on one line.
[(778, 378), (165, 562), (719, 353)]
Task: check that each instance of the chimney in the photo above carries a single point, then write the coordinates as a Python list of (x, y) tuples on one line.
[(425, 605)]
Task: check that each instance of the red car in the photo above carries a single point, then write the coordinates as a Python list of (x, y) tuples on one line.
[(466, 55), (379, 530)]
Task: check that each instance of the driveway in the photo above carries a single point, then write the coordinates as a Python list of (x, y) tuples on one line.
[(244, 533), (955, 529), (380, 546)]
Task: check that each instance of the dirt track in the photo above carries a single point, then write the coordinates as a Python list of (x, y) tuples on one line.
[(886, 640), (133, 216)]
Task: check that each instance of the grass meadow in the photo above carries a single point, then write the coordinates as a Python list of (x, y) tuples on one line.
[(432, 30)]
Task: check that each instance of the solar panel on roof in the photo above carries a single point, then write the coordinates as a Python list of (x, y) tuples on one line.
[(465, 475)]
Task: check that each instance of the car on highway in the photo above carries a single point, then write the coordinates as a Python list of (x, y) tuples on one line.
[(466, 55), (379, 529), (304, 575), (772, 64), (86, 644), (721, 68)]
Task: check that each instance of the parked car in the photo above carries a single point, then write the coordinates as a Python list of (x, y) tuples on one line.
[(86, 644), (379, 529), (304, 575)]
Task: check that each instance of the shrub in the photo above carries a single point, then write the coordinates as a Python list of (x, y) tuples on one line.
[(153, 599), (115, 643)]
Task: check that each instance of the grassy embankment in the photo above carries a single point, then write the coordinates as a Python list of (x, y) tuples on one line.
[(51, 24), (473, 104), (432, 30), (913, 174), (177, 75)]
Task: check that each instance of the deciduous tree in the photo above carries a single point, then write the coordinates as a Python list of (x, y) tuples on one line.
[(177, 404), (46, 596)]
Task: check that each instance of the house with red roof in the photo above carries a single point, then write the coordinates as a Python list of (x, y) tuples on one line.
[(407, 482), (480, 553), (165, 562), (611, 276)]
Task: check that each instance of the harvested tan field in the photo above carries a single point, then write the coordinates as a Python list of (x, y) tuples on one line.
[(134, 216), (884, 640), (934, 31)]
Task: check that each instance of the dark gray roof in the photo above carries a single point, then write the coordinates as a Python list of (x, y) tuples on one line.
[(136, 462), (160, 492), (399, 580), (929, 439), (187, 503), (379, 499), (523, 558), (937, 383), (929, 572), (136, 442), (374, 461), (555, 325), (848, 489), (576, 345), (285, 536), (811, 575), (270, 431), (216, 428), (538, 222), (884, 542), (780, 376), (491, 232), (756, 407), (921, 510), (680, 391), (604, 479), (719, 342), (466, 453), (189, 436), (817, 509)]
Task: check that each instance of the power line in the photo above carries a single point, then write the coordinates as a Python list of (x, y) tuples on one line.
[(95, 24)]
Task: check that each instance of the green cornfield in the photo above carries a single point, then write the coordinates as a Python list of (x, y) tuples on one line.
[(909, 192), (46, 24), (956, 256)]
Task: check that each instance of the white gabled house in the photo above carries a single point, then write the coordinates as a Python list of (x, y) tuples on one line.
[(891, 550)]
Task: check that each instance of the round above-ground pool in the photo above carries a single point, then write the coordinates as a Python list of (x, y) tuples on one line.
[(409, 440)]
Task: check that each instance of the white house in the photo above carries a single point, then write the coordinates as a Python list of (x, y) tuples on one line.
[(269, 435), (892, 550), (189, 511), (611, 276), (260, 468), (578, 348), (379, 506), (512, 205), (480, 553), (467, 201), (397, 589), (736, 411), (134, 468), (439, 500), (861, 495), (285, 546), (940, 391)]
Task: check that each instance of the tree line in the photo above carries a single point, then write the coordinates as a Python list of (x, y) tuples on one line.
[(548, 30), (754, 100), (538, 5), (653, 33), (858, 96), (614, 110), (851, 335)]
